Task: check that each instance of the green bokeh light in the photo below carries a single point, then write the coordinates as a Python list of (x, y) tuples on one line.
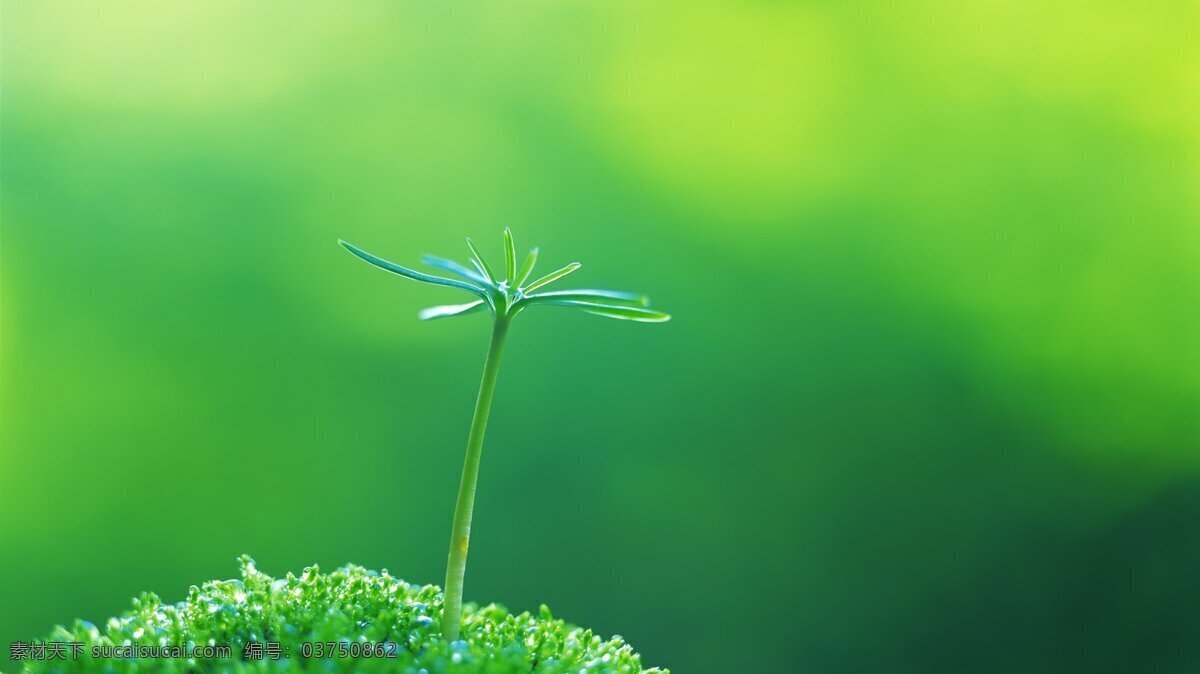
[(928, 402)]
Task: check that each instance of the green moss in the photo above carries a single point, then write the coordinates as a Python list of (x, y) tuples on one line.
[(351, 605)]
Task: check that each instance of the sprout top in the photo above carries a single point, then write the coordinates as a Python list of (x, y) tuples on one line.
[(506, 295)]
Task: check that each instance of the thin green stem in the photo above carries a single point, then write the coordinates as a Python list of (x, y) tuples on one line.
[(460, 535)]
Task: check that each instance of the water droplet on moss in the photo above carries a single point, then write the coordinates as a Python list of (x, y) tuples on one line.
[(88, 628)]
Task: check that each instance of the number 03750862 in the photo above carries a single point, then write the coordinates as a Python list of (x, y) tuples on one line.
[(347, 649)]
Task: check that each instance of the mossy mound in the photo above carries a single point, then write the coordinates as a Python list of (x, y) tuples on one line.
[(370, 621)]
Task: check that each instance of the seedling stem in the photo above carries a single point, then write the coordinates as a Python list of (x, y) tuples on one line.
[(460, 534)]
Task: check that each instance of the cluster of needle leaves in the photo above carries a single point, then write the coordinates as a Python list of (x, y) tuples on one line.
[(349, 605), (509, 294)]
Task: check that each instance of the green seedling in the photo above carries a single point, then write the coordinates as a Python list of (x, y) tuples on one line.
[(503, 296)]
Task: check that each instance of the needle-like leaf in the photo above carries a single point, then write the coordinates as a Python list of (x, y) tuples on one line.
[(614, 310), (631, 314), (552, 277), (456, 269), (527, 268), (409, 273), (478, 268), (480, 263), (590, 295), (447, 310), (510, 257)]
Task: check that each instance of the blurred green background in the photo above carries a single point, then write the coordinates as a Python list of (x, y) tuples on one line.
[(929, 402)]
